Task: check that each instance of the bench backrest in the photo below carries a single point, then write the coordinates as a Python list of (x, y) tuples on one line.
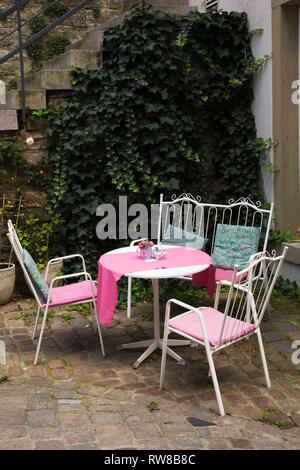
[(192, 215)]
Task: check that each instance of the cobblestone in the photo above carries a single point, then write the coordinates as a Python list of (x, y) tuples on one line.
[(76, 400)]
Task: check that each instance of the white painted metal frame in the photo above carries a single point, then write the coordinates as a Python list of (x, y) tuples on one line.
[(245, 302), (206, 216), (156, 274), (192, 215), (17, 247)]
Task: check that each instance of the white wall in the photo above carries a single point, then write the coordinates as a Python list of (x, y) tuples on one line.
[(200, 4), (260, 16)]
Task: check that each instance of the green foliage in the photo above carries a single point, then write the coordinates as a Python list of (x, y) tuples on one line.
[(37, 24), (35, 53), (55, 45), (33, 232), (164, 104), (264, 145), (34, 235), (153, 406), (286, 288), (35, 50), (10, 158), (50, 315), (279, 237), (67, 316), (59, 9), (169, 288), (96, 11), (46, 47), (83, 309), (12, 84), (12, 163), (4, 377), (36, 113)]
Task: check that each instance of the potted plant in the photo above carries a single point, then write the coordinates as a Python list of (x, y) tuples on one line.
[(7, 270)]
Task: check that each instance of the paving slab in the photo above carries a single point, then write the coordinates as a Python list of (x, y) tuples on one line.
[(74, 399)]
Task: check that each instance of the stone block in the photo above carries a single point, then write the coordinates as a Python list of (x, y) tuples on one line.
[(77, 58), (8, 120), (293, 254), (48, 79), (34, 99)]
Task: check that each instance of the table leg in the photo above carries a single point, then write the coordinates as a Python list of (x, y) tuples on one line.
[(156, 342), (173, 354), (136, 345)]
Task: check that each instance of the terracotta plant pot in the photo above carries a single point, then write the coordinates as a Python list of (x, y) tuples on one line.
[(7, 282)]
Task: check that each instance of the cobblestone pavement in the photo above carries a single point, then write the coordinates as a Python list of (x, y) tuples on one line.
[(75, 399)]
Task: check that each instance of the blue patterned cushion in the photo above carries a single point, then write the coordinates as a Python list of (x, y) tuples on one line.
[(179, 237), (38, 282), (234, 244)]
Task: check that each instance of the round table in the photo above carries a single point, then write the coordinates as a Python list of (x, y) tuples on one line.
[(155, 275)]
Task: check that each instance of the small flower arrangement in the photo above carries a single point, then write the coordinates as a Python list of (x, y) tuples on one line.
[(145, 249), (145, 244)]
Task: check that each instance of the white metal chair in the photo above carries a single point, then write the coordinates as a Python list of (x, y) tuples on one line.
[(71, 294), (216, 329), (192, 215)]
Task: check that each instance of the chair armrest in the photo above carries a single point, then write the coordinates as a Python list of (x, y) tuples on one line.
[(65, 257), (137, 241), (68, 276), (53, 260), (182, 304)]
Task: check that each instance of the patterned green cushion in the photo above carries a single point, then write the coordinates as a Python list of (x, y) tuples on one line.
[(37, 280), (234, 244), (177, 236)]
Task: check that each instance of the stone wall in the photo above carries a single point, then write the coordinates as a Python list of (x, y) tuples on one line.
[(73, 28)]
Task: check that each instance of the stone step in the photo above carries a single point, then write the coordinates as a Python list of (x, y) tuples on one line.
[(8, 120), (34, 99), (48, 79), (163, 3), (88, 51), (76, 57), (94, 39), (177, 9)]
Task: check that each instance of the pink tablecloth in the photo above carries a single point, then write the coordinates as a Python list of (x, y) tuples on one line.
[(111, 267)]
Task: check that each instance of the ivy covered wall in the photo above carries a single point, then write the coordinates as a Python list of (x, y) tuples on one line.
[(169, 112)]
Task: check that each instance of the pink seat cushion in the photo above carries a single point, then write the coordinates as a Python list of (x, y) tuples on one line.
[(189, 324), (71, 293)]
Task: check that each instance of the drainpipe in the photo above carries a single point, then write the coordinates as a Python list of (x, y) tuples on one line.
[(21, 61)]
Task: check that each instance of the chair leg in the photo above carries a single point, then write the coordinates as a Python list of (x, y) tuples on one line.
[(215, 381), (129, 298), (36, 322), (268, 309), (263, 358), (164, 359), (41, 336), (99, 328)]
